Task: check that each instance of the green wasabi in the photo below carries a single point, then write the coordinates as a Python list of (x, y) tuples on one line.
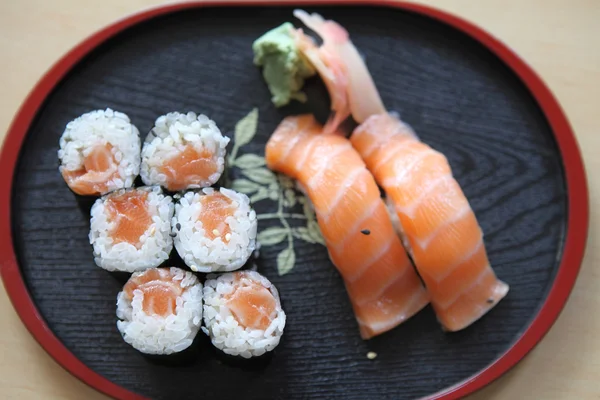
[(284, 68)]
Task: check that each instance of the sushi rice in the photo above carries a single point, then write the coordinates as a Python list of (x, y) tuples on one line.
[(149, 332), (222, 325), (98, 129), (197, 249), (154, 246), (171, 135)]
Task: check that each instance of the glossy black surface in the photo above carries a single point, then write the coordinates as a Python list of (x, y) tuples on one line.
[(457, 96)]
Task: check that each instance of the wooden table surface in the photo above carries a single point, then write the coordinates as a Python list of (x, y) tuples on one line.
[(558, 38)]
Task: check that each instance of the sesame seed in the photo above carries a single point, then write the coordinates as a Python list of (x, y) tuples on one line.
[(178, 226), (172, 234), (228, 236), (152, 230), (365, 232), (490, 301), (215, 232), (371, 355)]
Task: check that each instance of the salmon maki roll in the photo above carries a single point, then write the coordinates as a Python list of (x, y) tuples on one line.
[(183, 151), (215, 230), (242, 313), (130, 229), (160, 310), (99, 152), (433, 214), (381, 282)]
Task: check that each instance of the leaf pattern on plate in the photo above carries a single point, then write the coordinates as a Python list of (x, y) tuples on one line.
[(245, 129), (286, 260), (271, 236), (303, 233), (249, 161), (260, 175), (245, 186), (262, 184), (315, 232)]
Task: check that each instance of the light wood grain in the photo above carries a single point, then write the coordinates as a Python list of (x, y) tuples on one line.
[(558, 38)]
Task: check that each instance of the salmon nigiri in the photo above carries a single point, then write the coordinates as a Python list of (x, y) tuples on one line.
[(444, 237), (382, 285), (446, 242)]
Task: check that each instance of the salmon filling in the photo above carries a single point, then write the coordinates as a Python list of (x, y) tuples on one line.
[(216, 207), (160, 292), (99, 167), (130, 214), (252, 306), (189, 167)]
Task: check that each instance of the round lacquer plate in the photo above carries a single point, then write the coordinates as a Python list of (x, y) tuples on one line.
[(464, 93)]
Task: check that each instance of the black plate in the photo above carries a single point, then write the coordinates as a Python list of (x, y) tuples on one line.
[(458, 96)]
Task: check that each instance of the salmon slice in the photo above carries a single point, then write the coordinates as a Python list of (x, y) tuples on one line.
[(216, 207), (446, 242), (189, 167), (398, 302), (159, 289), (99, 168), (251, 304), (382, 285), (129, 212)]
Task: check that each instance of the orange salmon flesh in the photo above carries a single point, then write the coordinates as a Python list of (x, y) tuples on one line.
[(160, 291), (189, 167), (252, 305), (129, 212), (216, 207), (382, 285), (445, 238), (99, 168)]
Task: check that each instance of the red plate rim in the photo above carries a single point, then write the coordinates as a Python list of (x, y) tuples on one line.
[(578, 206)]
